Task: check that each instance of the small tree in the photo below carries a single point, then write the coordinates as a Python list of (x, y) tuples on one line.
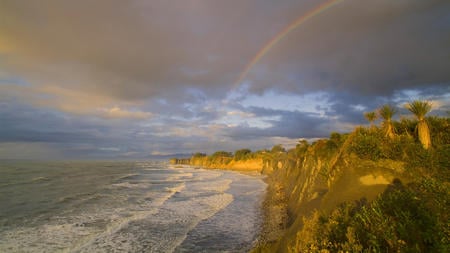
[(371, 117), (222, 154), (241, 154), (198, 154), (301, 147), (420, 109), (387, 112), (278, 149)]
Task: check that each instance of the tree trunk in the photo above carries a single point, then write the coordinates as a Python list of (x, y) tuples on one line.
[(389, 129), (424, 134)]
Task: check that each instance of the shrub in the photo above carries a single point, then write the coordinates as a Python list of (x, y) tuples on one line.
[(403, 219), (405, 126), (335, 140), (441, 162), (198, 155), (417, 158), (242, 154), (440, 130), (366, 145), (394, 149), (278, 149), (221, 157)]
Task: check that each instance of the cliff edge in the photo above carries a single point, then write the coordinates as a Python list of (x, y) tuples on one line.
[(356, 192)]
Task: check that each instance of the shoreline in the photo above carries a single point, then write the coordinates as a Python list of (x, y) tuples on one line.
[(274, 215), (273, 206)]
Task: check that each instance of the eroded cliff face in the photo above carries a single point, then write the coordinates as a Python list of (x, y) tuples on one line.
[(321, 179), (254, 164), (318, 178)]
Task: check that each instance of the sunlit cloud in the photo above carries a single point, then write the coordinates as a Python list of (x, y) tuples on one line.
[(74, 101), (116, 112)]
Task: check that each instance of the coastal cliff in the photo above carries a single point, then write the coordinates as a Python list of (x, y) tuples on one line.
[(359, 192), (356, 192), (251, 164)]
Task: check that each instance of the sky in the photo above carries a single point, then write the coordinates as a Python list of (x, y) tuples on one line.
[(113, 79)]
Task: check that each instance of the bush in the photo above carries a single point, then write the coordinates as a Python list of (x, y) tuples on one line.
[(441, 162), (335, 141), (242, 154), (221, 157), (417, 158), (405, 126), (440, 130), (278, 149), (398, 221), (395, 149), (403, 219), (367, 145), (198, 155)]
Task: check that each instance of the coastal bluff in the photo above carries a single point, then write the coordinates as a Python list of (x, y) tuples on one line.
[(306, 179), (254, 164), (352, 192)]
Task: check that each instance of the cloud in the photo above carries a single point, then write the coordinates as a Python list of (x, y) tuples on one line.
[(362, 47), (130, 78), (290, 124), (74, 101), (132, 50), (117, 112), (139, 50), (28, 150)]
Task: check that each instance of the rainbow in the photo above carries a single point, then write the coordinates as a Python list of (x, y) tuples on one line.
[(275, 40)]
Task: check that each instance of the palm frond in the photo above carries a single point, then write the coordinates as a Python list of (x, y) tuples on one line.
[(370, 116), (419, 108), (387, 112)]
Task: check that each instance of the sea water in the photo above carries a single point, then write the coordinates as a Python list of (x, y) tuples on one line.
[(126, 207)]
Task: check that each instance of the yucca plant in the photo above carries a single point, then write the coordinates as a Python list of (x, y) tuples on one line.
[(371, 117), (420, 109), (387, 112)]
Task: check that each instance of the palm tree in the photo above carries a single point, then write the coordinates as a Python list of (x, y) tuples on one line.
[(386, 112), (371, 117), (419, 109)]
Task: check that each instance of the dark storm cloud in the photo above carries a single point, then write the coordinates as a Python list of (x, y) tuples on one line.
[(130, 78), (139, 49), (135, 49), (22, 123), (363, 47)]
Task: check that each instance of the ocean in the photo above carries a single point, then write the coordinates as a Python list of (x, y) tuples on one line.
[(126, 207)]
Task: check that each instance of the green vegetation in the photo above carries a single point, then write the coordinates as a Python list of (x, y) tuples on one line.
[(387, 112), (197, 155), (403, 219), (221, 157), (371, 117), (242, 154), (278, 149)]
